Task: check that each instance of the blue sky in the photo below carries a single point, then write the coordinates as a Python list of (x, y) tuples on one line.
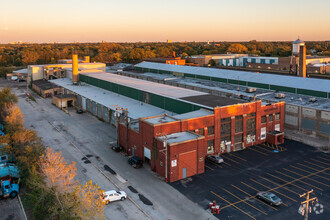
[(158, 20)]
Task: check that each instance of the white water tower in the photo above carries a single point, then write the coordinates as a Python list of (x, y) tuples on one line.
[(296, 46)]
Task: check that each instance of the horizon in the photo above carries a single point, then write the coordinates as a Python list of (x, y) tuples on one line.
[(130, 21)]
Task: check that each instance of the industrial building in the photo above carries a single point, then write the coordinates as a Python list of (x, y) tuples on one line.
[(151, 117), (305, 111), (173, 129)]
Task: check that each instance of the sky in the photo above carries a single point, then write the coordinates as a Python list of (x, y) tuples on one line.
[(158, 20)]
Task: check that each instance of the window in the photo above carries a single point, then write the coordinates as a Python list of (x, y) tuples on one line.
[(3, 158), (270, 118), (201, 131), (210, 130), (251, 115), (225, 120), (225, 129), (250, 123), (263, 119), (277, 116), (238, 124), (210, 146)]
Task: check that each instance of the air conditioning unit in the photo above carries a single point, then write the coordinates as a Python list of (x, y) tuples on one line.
[(251, 90), (279, 95), (313, 99)]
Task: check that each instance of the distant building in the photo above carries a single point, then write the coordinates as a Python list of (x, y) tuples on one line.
[(169, 41)]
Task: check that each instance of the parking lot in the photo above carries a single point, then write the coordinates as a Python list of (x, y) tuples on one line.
[(296, 169)]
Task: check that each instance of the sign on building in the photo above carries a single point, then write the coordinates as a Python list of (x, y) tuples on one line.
[(174, 163)]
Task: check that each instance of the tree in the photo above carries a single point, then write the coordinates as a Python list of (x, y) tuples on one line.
[(14, 121), (59, 177), (7, 100), (90, 205), (237, 48), (30, 57)]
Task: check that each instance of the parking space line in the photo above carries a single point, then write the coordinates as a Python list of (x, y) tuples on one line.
[(287, 181), (208, 167), (295, 179), (246, 202), (324, 158), (215, 164), (321, 162), (253, 196), (279, 185), (315, 165), (263, 148), (309, 172), (273, 190), (230, 159), (299, 180), (227, 164), (258, 190), (237, 157), (231, 204), (307, 177), (257, 151), (307, 166)]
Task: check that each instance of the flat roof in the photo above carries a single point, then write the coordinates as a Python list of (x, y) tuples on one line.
[(160, 119), (213, 100), (179, 137), (271, 79), (136, 109), (263, 94), (147, 86), (194, 114), (21, 71)]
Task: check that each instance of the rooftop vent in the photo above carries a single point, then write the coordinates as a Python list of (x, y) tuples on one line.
[(279, 95), (250, 90), (313, 99)]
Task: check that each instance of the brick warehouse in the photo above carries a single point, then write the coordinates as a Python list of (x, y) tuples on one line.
[(192, 136)]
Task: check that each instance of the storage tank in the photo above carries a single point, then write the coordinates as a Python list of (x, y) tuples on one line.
[(296, 46), (75, 76)]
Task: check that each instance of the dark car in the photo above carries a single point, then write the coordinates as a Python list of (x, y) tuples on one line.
[(135, 161), (116, 148), (79, 111), (270, 198)]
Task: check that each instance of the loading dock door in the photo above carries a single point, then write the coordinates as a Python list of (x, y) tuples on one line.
[(94, 108), (99, 110), (105, 114), (147, 153), (184, 173), (79, 101), (83, 103), (89, 107)]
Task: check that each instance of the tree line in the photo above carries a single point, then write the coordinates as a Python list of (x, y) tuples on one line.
[(49, 184), (25, 54)]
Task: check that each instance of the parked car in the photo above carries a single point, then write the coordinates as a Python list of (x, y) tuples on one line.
[(215, 158), (79, 111), (116, 148), (113, 195), (270, 198), (135, 161)]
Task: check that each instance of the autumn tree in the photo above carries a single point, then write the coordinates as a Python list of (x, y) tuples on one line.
[(237, 48), (90, 205), (14, 120), (7, 100), (30, 57)]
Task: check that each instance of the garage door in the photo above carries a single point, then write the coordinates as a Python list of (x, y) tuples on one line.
[(83, 103), (89, 105), (105, 114), (94, 108), (99, 110), (147, 153), (79, 101), (187, 164)]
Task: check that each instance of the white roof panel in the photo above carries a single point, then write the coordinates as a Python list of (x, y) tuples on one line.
[(147, 86), (135, 108), (272, 79)]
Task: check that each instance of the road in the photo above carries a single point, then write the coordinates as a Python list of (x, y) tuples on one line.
[(81, 136)]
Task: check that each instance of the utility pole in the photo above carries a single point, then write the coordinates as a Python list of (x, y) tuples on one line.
[(305, 204), (117, 115), (164, 151)]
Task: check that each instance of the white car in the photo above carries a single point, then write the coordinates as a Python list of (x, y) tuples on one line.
[(215, 158), (113, 195)]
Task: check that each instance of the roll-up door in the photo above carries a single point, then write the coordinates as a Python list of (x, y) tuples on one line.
[(83, 103), (89, 105), (105, 114), (94, 108), (99, 110), (147, 153)]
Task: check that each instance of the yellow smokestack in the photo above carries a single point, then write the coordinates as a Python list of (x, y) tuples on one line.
[(75, 76)]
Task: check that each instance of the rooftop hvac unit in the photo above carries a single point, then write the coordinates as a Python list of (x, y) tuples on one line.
[(279, 95), (313, 99), (251, 90)]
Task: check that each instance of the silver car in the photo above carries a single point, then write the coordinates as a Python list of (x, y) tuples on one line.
[(270, 198), (215, 158)]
